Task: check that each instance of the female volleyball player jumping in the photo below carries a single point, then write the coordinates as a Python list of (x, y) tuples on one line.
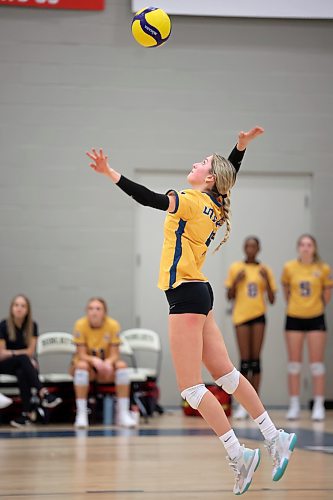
[(194, 216)]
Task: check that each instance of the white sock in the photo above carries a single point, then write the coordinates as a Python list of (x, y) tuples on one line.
[(231, 444), (294, 401), (123, 405), (81, 405), (319, 400), (266, 426)]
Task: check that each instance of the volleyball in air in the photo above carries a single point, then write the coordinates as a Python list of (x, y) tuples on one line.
[(151, 27)]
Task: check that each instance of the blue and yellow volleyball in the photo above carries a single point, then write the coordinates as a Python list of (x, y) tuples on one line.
[(151, 27)]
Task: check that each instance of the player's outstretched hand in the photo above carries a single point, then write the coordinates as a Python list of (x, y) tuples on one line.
[(100, 161), (245, 137)]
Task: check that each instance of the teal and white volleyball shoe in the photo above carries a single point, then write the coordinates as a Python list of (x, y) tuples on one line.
[(244, 466), (280, 449)]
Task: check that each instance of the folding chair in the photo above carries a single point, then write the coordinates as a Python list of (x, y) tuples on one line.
[(54, 353), (143, 342), (147, 357), (8, 385)]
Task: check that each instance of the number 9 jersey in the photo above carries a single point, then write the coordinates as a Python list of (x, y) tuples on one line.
[(306, 283)]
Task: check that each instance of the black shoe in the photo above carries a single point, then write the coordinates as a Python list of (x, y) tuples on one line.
[(50, 400), (38, 414), (21, 421)]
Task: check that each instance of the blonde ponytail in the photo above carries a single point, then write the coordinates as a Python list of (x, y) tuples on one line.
[(226, 217), (225, 175)]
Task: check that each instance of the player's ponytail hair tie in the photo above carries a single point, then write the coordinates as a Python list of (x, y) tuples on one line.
[(225, 178)]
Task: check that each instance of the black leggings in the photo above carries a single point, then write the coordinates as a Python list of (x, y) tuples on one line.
[(26, 374)]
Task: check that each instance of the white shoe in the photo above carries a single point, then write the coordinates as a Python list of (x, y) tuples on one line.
[(136, 417), (244, 467), (318, 412), (240, 413), (81, 421), (5, 401), (293, 412), (125, 419), (280, 449)]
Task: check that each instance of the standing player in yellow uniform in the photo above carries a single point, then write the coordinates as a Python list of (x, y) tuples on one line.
[(248, 282), (97, 358), (307, 284), (194, 216)]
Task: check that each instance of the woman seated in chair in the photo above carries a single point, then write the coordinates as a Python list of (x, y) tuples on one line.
[(97, 359), (18, 338)]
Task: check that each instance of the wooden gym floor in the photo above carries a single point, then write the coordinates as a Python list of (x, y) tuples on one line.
[(173, 457)]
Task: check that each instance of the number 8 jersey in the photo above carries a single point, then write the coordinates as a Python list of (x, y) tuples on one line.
[(306, 283), (250, 292)]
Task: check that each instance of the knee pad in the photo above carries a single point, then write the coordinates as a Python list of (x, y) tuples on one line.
[(81, 377), (229, 382), (255, 366), (317, 369), (294, 367), (245, 367), (194, 395), (122, 377)]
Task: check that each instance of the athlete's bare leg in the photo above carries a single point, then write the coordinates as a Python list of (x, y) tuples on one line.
[(186, 344), (218, 363)]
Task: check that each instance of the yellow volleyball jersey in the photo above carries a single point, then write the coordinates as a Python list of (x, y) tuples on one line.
[(250, 300), (306, 283), (188, 231), (97, 340)]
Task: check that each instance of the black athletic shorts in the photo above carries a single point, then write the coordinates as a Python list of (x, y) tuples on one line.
[(259, 319), (192, 297), (306, 324)]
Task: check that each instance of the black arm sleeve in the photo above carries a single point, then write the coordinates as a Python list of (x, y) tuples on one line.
[(236, 158), (143, 195)]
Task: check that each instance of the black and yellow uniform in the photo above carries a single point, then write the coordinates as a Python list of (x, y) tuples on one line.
[(97, 340), (188, 232), (250, 301), (306, 283)]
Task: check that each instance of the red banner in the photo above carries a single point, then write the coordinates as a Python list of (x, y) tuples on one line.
[(57, 4)]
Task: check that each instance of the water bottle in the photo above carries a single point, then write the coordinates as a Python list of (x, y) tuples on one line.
[(135, 413), (108, 410), (34, 399), (34, 404)]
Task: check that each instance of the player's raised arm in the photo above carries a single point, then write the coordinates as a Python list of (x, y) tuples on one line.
[(139, 193), (101, 166), (244, 138)]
